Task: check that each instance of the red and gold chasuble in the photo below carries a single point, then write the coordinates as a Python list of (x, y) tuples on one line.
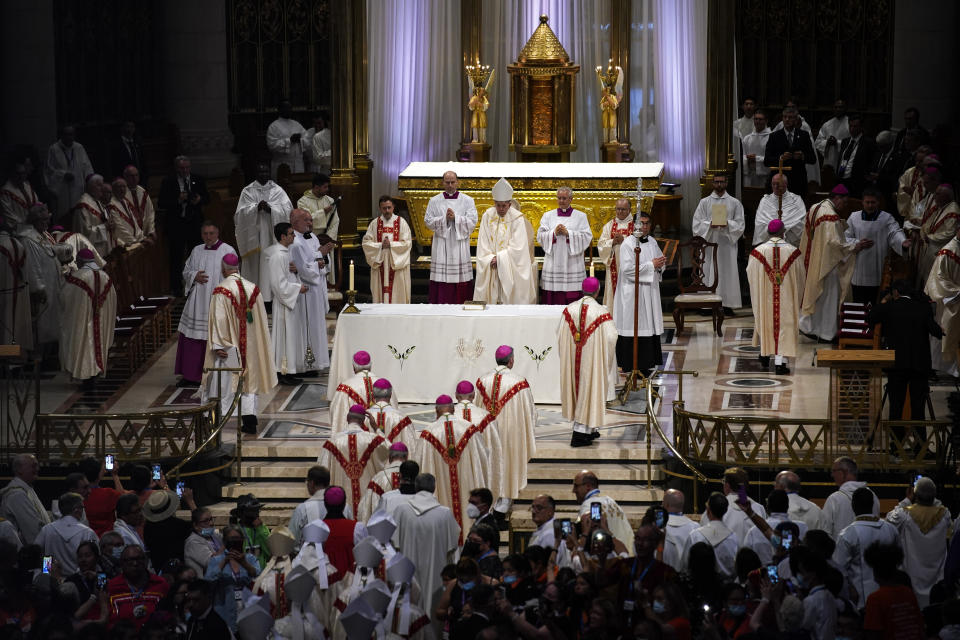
[(244, 311), (97, 297), (139, 206), (29, 197), (124, 214), (810, 224), (367, 390), (386, 284), (450, 451), (614, 268), (775, 273), (354, 463), (493, 401), (580, 336)]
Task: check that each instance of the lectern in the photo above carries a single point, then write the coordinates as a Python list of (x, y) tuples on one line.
[(856, 386)]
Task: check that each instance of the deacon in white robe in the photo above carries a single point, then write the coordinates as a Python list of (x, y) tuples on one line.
[(647, 308), (86, 334), (452, 450), (65, 171), (506, 271), (565, 235), (353, 457), (452, 217), (239, 336), (91, 218), (357, 389), (126, 228), (881, 233), (43, 273), (262, 205), (17, 195), (201, 275), (14, 291), (479, 417), (719, 218), (782, 205), (776, 277), (943, 287), (828, 259), (288, 332), (285, 141), (754, 145), (587, 339), (323, 210), (386, 247), (608, 246), (715, 533), (831, 133), (310, 259), (140, 202), (586, 487), (509, 399)]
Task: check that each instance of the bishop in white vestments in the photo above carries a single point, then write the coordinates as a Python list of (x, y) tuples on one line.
[(782, 205), (201, 275), (140, 202), (565, 235), (289, 327), (452, 217), (881, 233), (386, 247), (506, 272), (310, 259), (262, 205), (937, 226), (66, 170), (943, 287), (285, 141), (353, 457), (87, 333), (126, 228), (484, 421), (387, 479), (647, 307), (608, 246), (357, 389), (719, 218), (387, 419)]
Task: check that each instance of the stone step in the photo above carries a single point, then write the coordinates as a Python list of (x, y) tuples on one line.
[(563, 493), (289, 470), (612, 472), (269, 491), (292, 449), (603, 451)]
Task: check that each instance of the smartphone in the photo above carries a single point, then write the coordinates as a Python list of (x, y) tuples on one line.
[(101, 581), (787, 541), (156, 472), (660, 516), (566, 527), (180, 487), (917, 478), (742, 494), (595, 511), (773, 573), (706, 608), (47, 564), (108, 462)]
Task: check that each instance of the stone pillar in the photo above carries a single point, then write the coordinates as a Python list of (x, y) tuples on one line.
[(195, 83), (28, 111), (721, 16), (343, 178), (363, 165)]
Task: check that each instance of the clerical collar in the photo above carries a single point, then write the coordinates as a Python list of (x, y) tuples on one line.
[(447, 196), (643, 239), (306, 235), (565, 213), (213, 247), (870, 217)]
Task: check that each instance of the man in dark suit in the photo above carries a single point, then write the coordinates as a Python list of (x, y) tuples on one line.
[(856, 154), (182, 198), (907, 320), (127, 151), (791, 144), (204, 621)]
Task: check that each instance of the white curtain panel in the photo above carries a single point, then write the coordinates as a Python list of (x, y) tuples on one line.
[(414, 76), (642, 72)]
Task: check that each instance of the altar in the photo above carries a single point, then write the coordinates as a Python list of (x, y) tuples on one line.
[(425, 349), (596, 187)]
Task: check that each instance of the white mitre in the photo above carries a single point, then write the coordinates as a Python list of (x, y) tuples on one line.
[(502, 191)]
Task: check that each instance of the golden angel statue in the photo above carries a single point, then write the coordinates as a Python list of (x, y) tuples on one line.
[(480, 78), (611, 92)]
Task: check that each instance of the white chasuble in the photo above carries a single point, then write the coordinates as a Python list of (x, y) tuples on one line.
[(451, 450), (390, 266), (126, 229), (509, 239), (353, 458), (68, 244), (289, 331), (282, 150), (792, 213), (910, 191), (357, 389), (726, 237), (254, 228), (587, 340), (196, 310), (609, 251), (924, 534), (450, 248), (492, 444), (305, 254), (86, 336), (943, 287), (649, 311), (829, 261), (508, 398), (392, 425), (387, 479), (617, 521), (15, 202), (885, 233), (563, 266), (776, 277)]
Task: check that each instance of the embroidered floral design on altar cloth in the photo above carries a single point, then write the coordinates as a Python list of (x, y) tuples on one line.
[(537, 357), (401, 355), (467, 351)]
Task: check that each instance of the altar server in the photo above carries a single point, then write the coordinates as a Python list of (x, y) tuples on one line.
[(288, 334), (387, 419), (780, 205), (451, 450), (608, 246), (239, 336), (452, 217), (201, 275), (943, 287), (876, 232), (91, 218), (719, 218), (66, 170), (357, 389), (587, 340), (353, 457), (310, 259), (648, 310), (776, 277), (485, 423), (86, 334), (508, 397), (506, 272), (386, 247), (565, 235), (285, 141), (262, 205), (829, 261)]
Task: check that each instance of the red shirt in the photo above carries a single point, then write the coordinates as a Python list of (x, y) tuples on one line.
[(339, 545), (135, 606), (893, 611), (101, 506)]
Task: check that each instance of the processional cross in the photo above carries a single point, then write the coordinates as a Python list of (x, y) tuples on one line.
[(780, 169)]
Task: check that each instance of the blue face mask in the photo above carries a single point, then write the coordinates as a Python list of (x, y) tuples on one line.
[(207, 533), (737, 610), (509, 579), (658, 606), (466, 586)]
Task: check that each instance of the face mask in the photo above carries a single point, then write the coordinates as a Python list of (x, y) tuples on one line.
[(473, 512), (737, 610), (509, 579), (115, 552), (471, 549), (207, 532), (467, 586), (658, 606)]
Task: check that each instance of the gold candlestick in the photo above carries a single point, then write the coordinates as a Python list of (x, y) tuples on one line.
[(351, 298)]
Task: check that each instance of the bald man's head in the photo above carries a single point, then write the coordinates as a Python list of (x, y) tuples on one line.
[(301, 220), (673, 500), (787, 481)]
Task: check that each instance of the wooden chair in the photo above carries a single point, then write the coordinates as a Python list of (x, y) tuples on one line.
[(697, 294)]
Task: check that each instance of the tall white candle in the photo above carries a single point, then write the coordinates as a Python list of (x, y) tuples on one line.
[(351, 275), (591, 269)]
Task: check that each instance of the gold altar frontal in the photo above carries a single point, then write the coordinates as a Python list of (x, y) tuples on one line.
[(596, 187)]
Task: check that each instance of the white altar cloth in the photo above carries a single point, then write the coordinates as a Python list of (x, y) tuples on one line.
[(556, 170), (434, 346)]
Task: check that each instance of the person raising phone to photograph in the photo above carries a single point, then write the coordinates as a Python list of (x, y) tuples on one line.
[(87, 588)]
